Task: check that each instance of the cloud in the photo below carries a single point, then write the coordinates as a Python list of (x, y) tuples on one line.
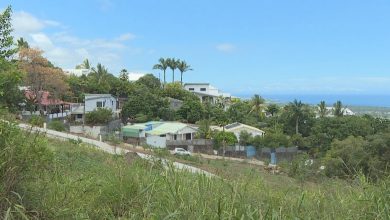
[(226, 47), (66, 50), (125, 37)]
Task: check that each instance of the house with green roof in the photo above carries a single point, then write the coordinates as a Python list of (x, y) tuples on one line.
[(157, 134)]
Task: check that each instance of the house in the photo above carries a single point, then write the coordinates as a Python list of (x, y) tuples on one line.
[(206, 92), (135, 76), (156, 134), (237, 128), (330, 112), (52, 107), (76, 72), (93, 102)]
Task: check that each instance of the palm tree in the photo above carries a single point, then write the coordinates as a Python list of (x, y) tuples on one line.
[(257, 103), (183, 67), (338, 110), (172, 64), (162, 65), (272, 109), (21, 43), (124, 75), (100, 72), (322, 111), (295, 109), (84, 65)]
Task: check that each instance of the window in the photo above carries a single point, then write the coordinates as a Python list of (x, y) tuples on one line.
[(191, 89), (99, 104), (79, 116), (188, 136), (175, 137), (203, 89)]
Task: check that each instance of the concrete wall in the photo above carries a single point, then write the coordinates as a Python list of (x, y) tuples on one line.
[(92, 131), (156, 141)]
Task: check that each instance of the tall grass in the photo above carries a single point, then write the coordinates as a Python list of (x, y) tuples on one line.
[(84, 183)]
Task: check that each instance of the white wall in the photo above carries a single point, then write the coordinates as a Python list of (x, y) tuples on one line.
[(91, 104), (92, 131), (156, 141)]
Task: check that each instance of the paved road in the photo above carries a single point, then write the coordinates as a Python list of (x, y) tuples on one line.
[(214, 157), (112, 149)]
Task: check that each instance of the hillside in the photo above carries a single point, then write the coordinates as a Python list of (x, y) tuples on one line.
[(80, 182)]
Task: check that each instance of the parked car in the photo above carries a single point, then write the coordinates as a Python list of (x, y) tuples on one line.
[(181, 152)]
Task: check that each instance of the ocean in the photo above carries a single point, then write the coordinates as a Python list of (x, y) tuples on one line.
[(347, 100)]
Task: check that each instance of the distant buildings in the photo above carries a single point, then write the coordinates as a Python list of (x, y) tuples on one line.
[(330, 112), (205, 91), (135, 76), (76, 72)]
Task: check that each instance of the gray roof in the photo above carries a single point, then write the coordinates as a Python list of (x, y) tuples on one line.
[(196, 84), (97, 96)]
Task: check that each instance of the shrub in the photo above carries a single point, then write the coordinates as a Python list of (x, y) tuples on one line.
[(36, 121), (99, 116), (57, 125)]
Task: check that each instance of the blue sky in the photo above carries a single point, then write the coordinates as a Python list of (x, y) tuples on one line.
[(242, 47)]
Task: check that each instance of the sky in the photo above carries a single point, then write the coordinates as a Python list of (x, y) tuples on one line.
[(242, 47)]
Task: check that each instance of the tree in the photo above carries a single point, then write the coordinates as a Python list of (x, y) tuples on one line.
[(245, 138), (162, 65), (6, 39), (124, 75), (338, 110), (150, 81), (347, 157), (183, 67), (295, 110), (191, 110), (204, 130), (172, 64), (99, 116), (40, 76), (272, 109), (100, 72), (275, 140), (223, 137), (21, 43), (257, 105), (322, 110), (84, 65)]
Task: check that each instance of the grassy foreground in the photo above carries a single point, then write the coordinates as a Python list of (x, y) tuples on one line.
[(84, 183)]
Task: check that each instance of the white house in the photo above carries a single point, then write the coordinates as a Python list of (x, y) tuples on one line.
[(77, 72), (135, 76), (93, 102), (330, 110), (205, 91), (237, 128), (158, 133)]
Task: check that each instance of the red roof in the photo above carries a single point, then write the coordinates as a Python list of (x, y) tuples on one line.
[(45, 100)]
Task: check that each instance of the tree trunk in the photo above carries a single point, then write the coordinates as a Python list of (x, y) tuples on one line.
[(296, 126), (181, 78), (164, 79), (173, 75)]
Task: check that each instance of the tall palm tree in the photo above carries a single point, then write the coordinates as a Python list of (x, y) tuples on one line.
[(296, 111), (172, 64), (338, 109), (84, 65), (161, 65), (272, 109), (257, 104), (322, 111), (100, 72), (183, 67)]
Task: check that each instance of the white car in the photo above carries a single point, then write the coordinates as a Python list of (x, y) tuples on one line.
[(181, 152)]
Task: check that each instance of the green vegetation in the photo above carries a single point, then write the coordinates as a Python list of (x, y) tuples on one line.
[(99, 116), (75, 181), (56, 125)]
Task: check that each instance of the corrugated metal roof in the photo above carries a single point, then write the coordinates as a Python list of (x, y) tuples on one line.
[(167, 128)]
